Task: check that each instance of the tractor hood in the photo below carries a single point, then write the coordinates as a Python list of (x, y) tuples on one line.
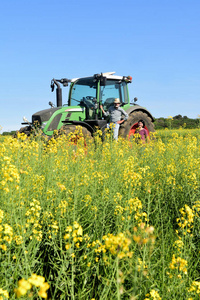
[(43, 115)]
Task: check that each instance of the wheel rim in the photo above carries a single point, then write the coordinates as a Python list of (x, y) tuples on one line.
[(134, 127)]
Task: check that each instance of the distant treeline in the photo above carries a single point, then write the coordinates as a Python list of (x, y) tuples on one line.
[(8, 133), (176, 122)]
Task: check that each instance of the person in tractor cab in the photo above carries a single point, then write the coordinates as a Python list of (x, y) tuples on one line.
[(115, 112)]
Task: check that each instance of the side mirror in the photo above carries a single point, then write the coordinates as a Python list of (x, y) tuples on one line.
[(52, 85), (51, 104)]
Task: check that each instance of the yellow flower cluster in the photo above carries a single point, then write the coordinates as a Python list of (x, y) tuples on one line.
[(142, 267), (135, 205), (131, 178), (10, 174), (4, 293), (21, 136), (153, 295), (196, 208), (87, 200), (6, 233), (54, 227), (187, 219), (63, 207), (33, 220), (61, 186), (118, 245), (35, 280), (74, 233), (52, 223), (195, 288), (98, 248), (178, 264), (178, 244), (1, 215)]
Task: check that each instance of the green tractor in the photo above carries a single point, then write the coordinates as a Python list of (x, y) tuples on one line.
[(83, 107)]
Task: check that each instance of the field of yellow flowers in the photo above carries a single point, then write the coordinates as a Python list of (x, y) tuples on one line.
[(100, 220)]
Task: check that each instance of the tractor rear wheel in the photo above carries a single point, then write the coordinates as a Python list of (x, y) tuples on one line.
[(128, 128)]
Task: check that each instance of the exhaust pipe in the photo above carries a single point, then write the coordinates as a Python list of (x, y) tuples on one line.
[(58, 92), (59, 96)]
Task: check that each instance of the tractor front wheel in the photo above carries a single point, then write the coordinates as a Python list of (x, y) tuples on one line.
[(128, 128), (26, 130), (77, 130)]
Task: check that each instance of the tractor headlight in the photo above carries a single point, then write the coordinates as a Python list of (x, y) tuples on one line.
[(43, 125)]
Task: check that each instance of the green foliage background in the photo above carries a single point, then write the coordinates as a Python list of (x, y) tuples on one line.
[(177, 122)]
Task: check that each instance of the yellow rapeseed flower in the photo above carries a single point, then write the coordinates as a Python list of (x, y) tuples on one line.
[(80, 231), (36, 280), (23, 287), (43, 288), (4, 293)]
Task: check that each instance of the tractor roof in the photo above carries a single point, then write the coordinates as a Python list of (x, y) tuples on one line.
[(108, 75)]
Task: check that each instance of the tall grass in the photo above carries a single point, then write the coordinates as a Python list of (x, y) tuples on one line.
[(100, 220)]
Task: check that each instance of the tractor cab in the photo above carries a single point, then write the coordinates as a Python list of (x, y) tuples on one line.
[(90, 92)]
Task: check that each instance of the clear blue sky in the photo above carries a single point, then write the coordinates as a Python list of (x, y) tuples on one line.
[(157, 42)]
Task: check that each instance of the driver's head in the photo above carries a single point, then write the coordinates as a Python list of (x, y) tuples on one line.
[(116, 102)]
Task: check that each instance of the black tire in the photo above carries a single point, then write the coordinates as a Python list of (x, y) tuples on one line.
[(26, 130), (132, 120), (66, 129)]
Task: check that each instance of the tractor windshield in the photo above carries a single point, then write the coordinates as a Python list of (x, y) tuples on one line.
[(84, 89), (113, 89)]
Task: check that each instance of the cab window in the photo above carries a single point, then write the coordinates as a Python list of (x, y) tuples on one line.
[(108, 93), (84, 90), (112, 90)]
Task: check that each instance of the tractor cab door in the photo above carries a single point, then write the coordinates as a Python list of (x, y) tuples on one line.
[(84, 93), (113, 89)]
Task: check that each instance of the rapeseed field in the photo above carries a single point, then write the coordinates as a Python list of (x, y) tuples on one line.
[(86, 219)]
